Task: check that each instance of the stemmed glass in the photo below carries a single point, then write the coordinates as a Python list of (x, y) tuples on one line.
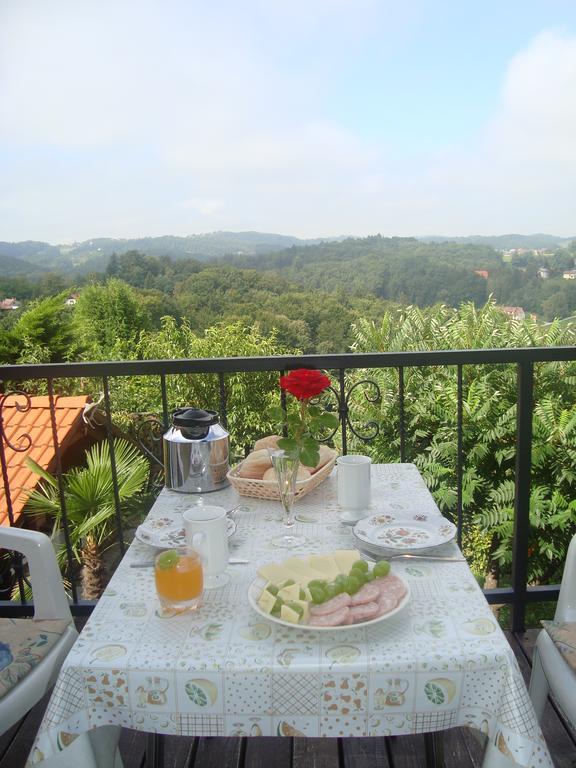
[(286, 468)]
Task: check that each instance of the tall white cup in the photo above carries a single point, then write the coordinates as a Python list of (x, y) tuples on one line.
[(354, 482), (206, 532)]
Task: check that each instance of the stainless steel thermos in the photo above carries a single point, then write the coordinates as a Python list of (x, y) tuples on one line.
[(196, 452)]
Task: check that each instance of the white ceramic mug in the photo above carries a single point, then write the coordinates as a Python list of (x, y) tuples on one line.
[(206, 532), (354, 482)]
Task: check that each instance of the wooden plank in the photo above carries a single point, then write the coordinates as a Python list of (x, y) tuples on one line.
[(407, 751), (267, 751), (17, 752), (132, 745), (218, 752), (179, 751), (368, 752), (7, 738), (315, 753), (461, 748), (560, 744)]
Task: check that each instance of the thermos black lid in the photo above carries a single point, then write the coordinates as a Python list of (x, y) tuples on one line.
[(194, 423)]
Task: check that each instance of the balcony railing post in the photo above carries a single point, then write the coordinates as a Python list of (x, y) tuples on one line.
[(522, 493)]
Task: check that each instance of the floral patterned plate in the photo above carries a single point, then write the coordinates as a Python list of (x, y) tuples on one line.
[(405, 534), (166, 533)]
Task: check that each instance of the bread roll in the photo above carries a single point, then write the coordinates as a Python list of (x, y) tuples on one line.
[(255, 464), (326, 454), (271, 441), (303, 474)]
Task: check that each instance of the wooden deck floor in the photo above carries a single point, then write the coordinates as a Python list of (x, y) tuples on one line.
[(461, 749)]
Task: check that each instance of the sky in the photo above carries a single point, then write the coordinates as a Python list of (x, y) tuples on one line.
[(313, 118)]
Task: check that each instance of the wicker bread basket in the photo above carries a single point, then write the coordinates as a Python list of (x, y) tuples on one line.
[(268, 489)]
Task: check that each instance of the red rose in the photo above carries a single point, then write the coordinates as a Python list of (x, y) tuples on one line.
[(304, 383)]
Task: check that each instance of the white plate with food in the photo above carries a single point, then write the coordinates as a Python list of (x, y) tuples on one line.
[(389, 532), (327, 593), (166, 533)]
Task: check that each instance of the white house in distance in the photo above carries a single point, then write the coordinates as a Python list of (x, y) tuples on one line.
[(569, 274), (72, 299), (516, 313), (6, 304)]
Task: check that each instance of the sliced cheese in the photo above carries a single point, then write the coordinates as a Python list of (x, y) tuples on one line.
[(301, 566), (275, 573), (290, 593), (266, 601), (288, 614), (345, 559), (326, 564)]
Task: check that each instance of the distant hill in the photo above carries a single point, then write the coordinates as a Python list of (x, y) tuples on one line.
[(505, 242), (14, 267), (93, 255)]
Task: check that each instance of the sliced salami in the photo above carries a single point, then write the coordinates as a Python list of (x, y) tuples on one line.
[(334, 604), (386, 603), (391, 585), (334, 619), (364, 612), (366, 594)]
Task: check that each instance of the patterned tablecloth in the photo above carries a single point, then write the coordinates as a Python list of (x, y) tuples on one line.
[(441, 662)]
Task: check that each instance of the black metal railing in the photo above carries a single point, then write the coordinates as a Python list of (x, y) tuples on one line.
[(518, 595)]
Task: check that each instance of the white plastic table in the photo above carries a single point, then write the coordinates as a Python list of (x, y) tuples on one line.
[(441, 662)]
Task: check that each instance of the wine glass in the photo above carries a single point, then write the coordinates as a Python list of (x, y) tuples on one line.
[(286, 467)]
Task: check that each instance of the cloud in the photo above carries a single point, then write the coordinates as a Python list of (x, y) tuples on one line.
[(122, 119)]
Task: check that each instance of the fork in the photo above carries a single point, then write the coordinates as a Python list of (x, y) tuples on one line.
[(440, 558)]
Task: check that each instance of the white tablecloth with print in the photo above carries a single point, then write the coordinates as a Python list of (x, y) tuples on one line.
[(441, 662)]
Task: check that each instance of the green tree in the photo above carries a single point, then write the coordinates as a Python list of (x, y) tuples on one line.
[(108, 319), (248, 395), (44, 332), (489, 428)]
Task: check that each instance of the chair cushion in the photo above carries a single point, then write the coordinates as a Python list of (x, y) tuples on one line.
[(23, 645), (564, 638)]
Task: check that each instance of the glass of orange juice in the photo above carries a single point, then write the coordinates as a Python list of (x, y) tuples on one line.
[(179, 579)]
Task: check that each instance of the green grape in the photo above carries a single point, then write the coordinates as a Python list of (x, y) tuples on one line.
[(338, 587), (302, 594), (362, 577), (288, 583), (360, 565), (273, 589), (318, 594), (352, 585), (296, 607), (277, 605), (330, 591), (382, 568), (370, 576), (340, 580), (320, 583)]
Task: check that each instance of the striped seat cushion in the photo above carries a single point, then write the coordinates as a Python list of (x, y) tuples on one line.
[(564, 638), (23, 645)]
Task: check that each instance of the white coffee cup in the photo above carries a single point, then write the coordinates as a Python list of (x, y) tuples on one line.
[(354, 482), (206, 532)]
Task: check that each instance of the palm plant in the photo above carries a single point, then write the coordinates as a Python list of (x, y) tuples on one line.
[(90, 505)]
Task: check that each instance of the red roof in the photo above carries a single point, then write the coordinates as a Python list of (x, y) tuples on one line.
[(36, 423)]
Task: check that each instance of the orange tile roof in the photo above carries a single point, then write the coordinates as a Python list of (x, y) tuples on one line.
[(36, 423)]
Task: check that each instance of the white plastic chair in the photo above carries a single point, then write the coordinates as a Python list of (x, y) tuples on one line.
[(550, 672), (50, 603)]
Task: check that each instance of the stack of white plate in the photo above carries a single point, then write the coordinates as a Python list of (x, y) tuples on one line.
[(386, 534)]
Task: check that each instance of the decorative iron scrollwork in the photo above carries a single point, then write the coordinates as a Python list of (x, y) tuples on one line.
[(372, 426), (148, 433), (24, 441), (370, 429)]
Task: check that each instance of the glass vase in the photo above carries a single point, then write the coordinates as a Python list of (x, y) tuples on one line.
[(286, 468)]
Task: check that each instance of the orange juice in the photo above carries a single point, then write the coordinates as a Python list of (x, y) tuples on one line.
[(179, 579)]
